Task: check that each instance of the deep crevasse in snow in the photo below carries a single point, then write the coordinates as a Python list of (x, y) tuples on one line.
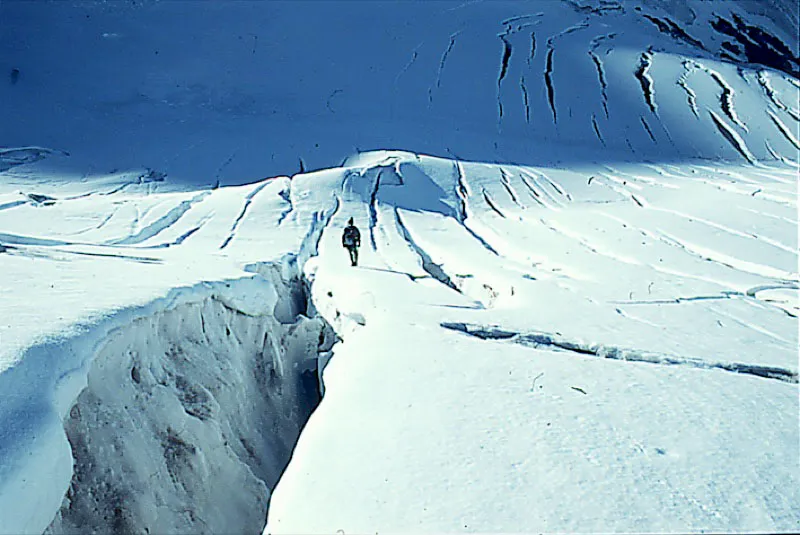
[(187, 404), (188, 369)]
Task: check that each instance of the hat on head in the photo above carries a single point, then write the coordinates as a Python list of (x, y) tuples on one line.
[(350, 221)]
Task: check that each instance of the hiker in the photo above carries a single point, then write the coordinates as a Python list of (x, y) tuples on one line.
[(351, 239)]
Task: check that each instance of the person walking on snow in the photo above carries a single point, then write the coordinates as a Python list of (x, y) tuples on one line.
[(351, 240)]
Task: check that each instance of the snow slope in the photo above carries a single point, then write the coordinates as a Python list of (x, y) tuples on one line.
[(235, 91), (576, 306), (168, 364), (620, 337), (620, 355)]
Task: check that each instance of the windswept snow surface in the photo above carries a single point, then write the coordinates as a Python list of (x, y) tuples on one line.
[(577, 299)]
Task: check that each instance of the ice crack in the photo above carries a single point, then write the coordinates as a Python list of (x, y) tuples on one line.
[(548, 80), (557, 342), (645, 80)]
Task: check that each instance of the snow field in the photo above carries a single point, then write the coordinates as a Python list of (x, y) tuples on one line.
[(576, 307), (670, 433), (652, 333)]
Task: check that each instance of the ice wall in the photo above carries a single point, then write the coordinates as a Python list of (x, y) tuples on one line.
[(190, 413)]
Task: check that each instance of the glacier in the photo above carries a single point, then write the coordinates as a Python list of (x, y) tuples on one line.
[(576, 305)]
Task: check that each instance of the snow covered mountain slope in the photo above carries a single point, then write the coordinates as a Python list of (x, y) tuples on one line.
[(575, 310), (234, 91)]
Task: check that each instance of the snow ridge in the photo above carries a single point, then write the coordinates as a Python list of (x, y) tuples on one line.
[(732, 137), (689, 68), (243, 213), (463, 193), (163, 223), (14, 157), (784, 130), (763, 81), (726, 98), (491, 203), (431, 268)]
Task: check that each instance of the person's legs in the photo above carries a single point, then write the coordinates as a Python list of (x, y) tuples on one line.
[(353, 255)]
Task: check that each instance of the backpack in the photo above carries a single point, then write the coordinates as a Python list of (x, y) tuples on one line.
[(351, 237)]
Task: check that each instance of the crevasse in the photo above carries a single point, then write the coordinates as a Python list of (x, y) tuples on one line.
[(190, 414)]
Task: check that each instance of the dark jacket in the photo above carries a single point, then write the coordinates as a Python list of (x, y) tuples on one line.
[(351, 237)]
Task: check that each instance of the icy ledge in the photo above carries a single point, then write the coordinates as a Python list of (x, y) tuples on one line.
[(180, 415)]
